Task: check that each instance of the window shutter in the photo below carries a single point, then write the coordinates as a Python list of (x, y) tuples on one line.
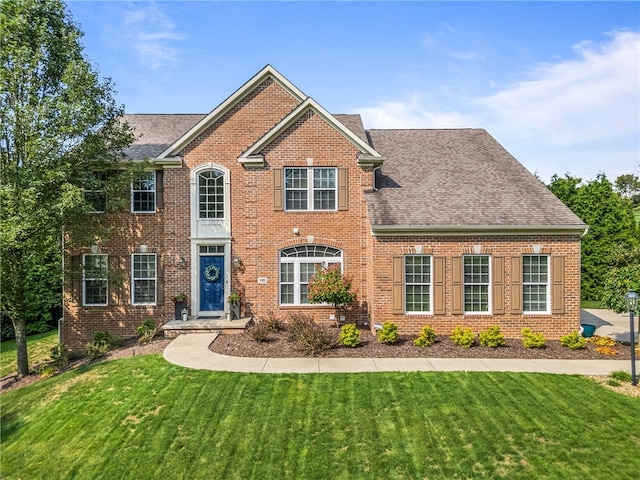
[(159, 280), (457, 296), (498, 286), (113, 269), (278, 191), (439, 293), (557, 284), (126, 288), (76, 279), (343, 189), (516, 285), (398, 286), (160, 189)]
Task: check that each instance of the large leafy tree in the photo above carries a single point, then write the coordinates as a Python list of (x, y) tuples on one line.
[(58, 122), (611, 226)]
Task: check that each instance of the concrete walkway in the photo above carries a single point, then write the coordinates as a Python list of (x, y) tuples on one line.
[(192, 351)]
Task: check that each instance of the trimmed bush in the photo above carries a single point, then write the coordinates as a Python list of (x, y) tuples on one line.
[(147, 331), (492, 337), (574, 341), (427, 337), (349, 335), (107, 338), (96, 350), (532, 339), (259, 331), (274, 323), (315, 340), (389, 333), (297, 324), (463, 337)]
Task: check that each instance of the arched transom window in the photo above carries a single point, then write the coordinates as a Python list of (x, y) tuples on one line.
[(211, 194), (297, 265)]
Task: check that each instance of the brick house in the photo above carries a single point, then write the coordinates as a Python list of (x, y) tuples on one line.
[(438, 227)]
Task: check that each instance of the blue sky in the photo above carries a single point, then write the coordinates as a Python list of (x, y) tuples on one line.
[(557, 83)]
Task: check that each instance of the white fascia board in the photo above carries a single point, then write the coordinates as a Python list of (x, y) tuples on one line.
[(474, 230), (308, 104), (221, 109)]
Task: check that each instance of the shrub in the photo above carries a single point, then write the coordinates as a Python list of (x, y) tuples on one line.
[(259, 331), (389, 333), (315, 340), (574, 341), (427, 337), (147, 331), (107, 338), (492, 337), (60, 354), (297, 325), (532, 339), (96, 350), (463, 337), (45, 370), (274, 324), (349, 335)]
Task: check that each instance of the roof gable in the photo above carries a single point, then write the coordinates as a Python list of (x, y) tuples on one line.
[(267, 72), (252, 157)]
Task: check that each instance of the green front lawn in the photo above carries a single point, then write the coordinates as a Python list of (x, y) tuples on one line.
[(141, 418), (591, 304), (38, 348)]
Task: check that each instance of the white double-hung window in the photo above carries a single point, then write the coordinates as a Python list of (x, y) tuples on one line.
[(143, 194), (535, 283), (94, 280), (144, 278), (476, 283), (310, 188)]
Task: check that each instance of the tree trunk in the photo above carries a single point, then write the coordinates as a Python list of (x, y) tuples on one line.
[(20, 328)]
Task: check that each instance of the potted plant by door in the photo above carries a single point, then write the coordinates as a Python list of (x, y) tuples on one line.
[(180, 302), (235, 301)]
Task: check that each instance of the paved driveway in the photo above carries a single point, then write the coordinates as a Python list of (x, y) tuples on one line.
[(608, 323)]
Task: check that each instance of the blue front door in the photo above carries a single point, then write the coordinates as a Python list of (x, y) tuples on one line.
[(211, 284)]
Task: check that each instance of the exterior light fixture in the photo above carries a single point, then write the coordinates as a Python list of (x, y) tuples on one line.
[(631, 299)]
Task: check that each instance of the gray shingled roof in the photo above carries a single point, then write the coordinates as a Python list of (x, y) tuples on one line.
[(155, 132), (458, 177)]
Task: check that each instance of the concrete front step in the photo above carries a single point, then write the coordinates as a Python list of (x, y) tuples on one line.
[(204, 325)]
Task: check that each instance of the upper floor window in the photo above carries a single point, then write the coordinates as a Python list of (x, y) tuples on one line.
[(211, 194), (417, 283), (143, 194), (94, 280), (310, 188), (535, 283), (144, 278), (94, 191), (297, 266), (476, 283)]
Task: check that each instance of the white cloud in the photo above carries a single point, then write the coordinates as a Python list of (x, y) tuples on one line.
[(150, 34), (579, 116)]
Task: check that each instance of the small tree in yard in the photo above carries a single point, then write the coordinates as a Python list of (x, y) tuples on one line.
[(329, 285)]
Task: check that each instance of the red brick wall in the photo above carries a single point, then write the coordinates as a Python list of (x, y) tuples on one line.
[(553, 326)]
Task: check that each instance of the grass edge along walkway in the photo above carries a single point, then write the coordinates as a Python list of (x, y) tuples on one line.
[(141, 418)]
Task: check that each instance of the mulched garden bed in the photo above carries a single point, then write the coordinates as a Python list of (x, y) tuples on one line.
[(277, 346)]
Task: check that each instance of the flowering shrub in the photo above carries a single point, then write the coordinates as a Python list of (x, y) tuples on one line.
[(606, 350), (602, 341), (328, 285)]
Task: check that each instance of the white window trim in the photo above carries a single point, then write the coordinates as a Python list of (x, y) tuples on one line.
[(547, 310), (311, 190), (296, 261), (133, 279), (464, 284), (404, 284), (84, 280), (155, 195)]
